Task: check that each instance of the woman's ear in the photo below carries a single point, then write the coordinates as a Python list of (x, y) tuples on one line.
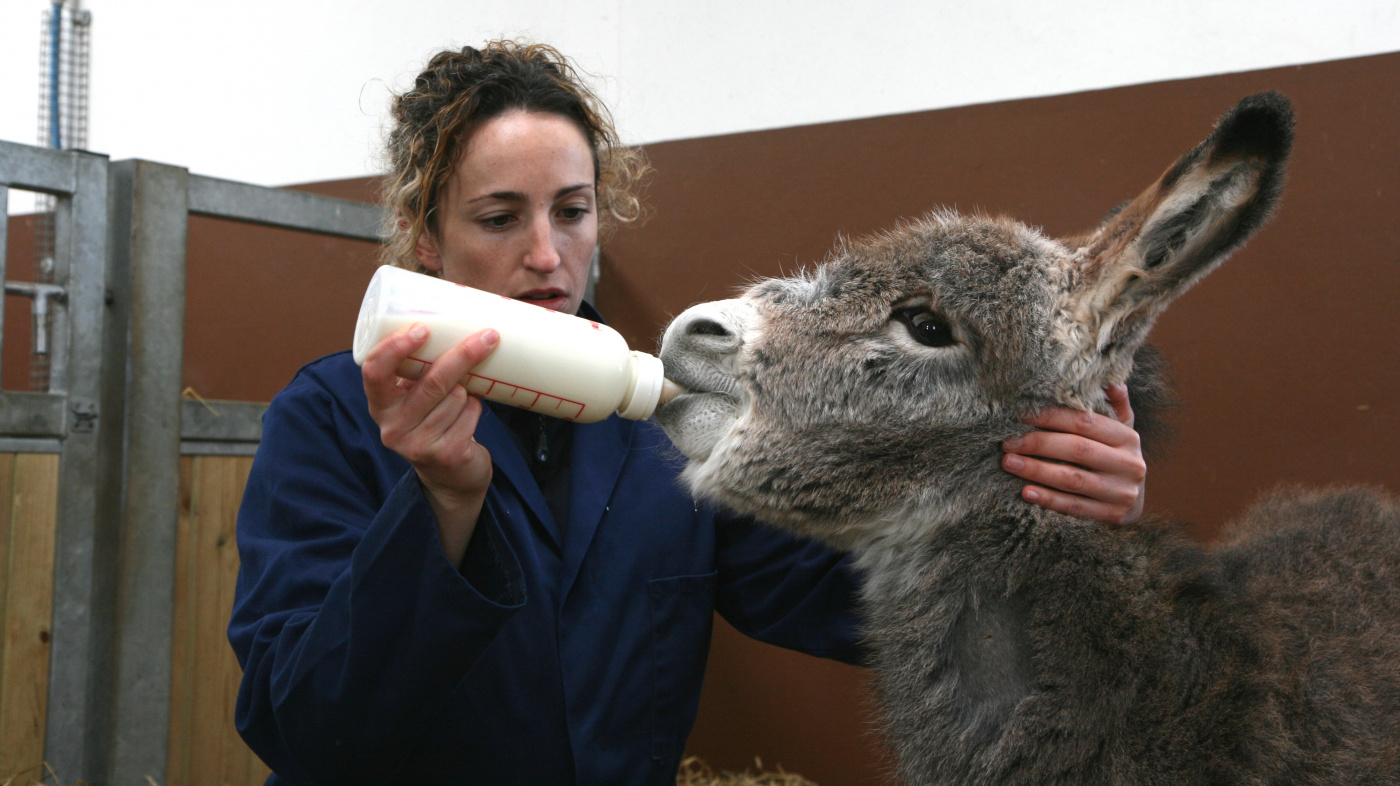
[(426, 249)]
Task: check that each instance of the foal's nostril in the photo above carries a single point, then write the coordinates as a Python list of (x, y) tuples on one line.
[(707, 327), (712, 330)]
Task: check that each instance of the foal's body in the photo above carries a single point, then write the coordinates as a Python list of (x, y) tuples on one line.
[(1035, 648), (864, 405)]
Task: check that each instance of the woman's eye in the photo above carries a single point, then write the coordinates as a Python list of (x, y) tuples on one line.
[(927, 328), (497, 222), (573, 213)]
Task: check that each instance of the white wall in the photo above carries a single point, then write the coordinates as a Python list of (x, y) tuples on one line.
[(273, 92)]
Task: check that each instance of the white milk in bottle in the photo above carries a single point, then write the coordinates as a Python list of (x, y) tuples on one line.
[(547, 361)]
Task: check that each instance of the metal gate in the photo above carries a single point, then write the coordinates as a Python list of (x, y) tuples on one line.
[(115, 418)]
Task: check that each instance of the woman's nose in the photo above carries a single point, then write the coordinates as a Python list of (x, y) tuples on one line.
[(543, 252)]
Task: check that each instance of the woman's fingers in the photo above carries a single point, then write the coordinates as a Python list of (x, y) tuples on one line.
[(1118, 399), (1076, 505), (420, 437), (379, 370), (1085, 464), (431, 421), (447, 372), (1122, 460), (1089, 425), (1116, 490)]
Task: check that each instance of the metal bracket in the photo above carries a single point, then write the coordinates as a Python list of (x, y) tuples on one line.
[(84, 416), (42, 294)]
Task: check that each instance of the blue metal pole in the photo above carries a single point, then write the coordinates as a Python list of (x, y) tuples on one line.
[(55, 28)]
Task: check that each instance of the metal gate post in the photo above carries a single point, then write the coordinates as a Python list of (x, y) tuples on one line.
[(150, 510), (78, 707)]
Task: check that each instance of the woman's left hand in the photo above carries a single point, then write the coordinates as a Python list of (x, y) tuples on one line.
[(1103, 475)]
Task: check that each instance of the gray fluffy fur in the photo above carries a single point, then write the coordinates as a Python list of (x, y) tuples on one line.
[(1014, 645)]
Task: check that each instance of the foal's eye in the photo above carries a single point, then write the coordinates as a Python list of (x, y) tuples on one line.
[(926, 327)]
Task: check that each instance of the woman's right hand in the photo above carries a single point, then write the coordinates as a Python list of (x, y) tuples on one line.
[(431, 422)]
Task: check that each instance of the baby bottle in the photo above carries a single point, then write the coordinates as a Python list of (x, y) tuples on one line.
[(547, 361)]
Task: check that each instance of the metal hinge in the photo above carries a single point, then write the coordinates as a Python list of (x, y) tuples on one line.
[(84, 416)]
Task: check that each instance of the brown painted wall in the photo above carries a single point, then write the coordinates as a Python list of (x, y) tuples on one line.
[(18, 325), (1286, 358), (261, 302)]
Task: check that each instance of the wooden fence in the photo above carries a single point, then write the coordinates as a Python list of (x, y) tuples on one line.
[(204, 747), (28, 502), (118, 499)]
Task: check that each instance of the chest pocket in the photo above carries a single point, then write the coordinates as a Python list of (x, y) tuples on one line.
[(682, 618)]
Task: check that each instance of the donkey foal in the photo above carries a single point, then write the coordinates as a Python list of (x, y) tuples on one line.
[(864, 404)]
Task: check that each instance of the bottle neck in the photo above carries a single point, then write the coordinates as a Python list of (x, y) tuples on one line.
[(646, 376)]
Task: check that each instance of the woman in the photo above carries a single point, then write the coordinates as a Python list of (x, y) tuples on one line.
[(433, 590)]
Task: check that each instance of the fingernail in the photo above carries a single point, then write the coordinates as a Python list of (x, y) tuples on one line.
[(1014, 461), (418, 332), (490, 338), (1012, 444), (1031, 494)]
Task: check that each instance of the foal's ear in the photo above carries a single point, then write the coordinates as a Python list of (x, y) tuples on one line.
[(1203, 208)]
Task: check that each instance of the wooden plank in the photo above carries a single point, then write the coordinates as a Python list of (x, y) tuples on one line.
[(29, 497), (182, 663), (210, 730), (207, 750), (236, 468), (11, 755)]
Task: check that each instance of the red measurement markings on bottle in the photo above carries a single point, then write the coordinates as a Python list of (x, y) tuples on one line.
[(520, 396)]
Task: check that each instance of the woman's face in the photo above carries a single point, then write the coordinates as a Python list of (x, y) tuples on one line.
[(519, 215)]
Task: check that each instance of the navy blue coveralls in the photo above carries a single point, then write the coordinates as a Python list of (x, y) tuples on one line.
[(545, 659)]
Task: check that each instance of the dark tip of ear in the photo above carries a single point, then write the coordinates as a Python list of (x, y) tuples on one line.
[(1259, 125), (1112, 214)]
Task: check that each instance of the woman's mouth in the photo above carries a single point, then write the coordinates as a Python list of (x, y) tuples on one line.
[(554, 299)]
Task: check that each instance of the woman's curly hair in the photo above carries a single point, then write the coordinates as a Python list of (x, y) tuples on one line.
[(453, 96)]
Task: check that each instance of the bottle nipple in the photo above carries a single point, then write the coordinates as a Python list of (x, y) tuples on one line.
[(669, 390)]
